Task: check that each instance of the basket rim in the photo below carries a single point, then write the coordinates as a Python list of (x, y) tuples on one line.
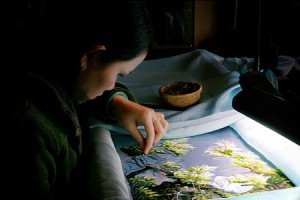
[(161, 89)]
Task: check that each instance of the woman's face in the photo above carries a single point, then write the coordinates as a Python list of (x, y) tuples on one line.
[(94, 79)]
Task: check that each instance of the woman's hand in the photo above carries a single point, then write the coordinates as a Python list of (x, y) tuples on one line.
[(130, 114)]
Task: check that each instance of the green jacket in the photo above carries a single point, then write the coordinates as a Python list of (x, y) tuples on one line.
[(47, 160)]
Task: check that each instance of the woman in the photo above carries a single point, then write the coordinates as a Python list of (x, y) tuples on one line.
[(70, 82)]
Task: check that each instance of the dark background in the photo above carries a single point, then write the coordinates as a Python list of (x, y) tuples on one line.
[(173, 20)]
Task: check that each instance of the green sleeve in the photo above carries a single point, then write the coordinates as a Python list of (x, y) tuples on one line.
[(99, 107)]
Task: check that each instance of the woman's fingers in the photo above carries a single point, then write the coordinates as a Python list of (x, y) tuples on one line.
[(155, 130), (154, 123), (160, 127), (155, 126), (137, 136), (150, 130)]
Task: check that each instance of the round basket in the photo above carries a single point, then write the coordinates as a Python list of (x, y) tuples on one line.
[(181, 93)]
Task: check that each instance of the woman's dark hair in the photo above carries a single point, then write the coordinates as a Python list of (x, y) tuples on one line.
[(121, 25)]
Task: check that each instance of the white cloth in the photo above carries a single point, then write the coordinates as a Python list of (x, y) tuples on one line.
[(106, 177), (214, 110)]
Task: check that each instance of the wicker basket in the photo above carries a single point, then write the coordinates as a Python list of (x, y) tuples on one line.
[(181, 94)]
